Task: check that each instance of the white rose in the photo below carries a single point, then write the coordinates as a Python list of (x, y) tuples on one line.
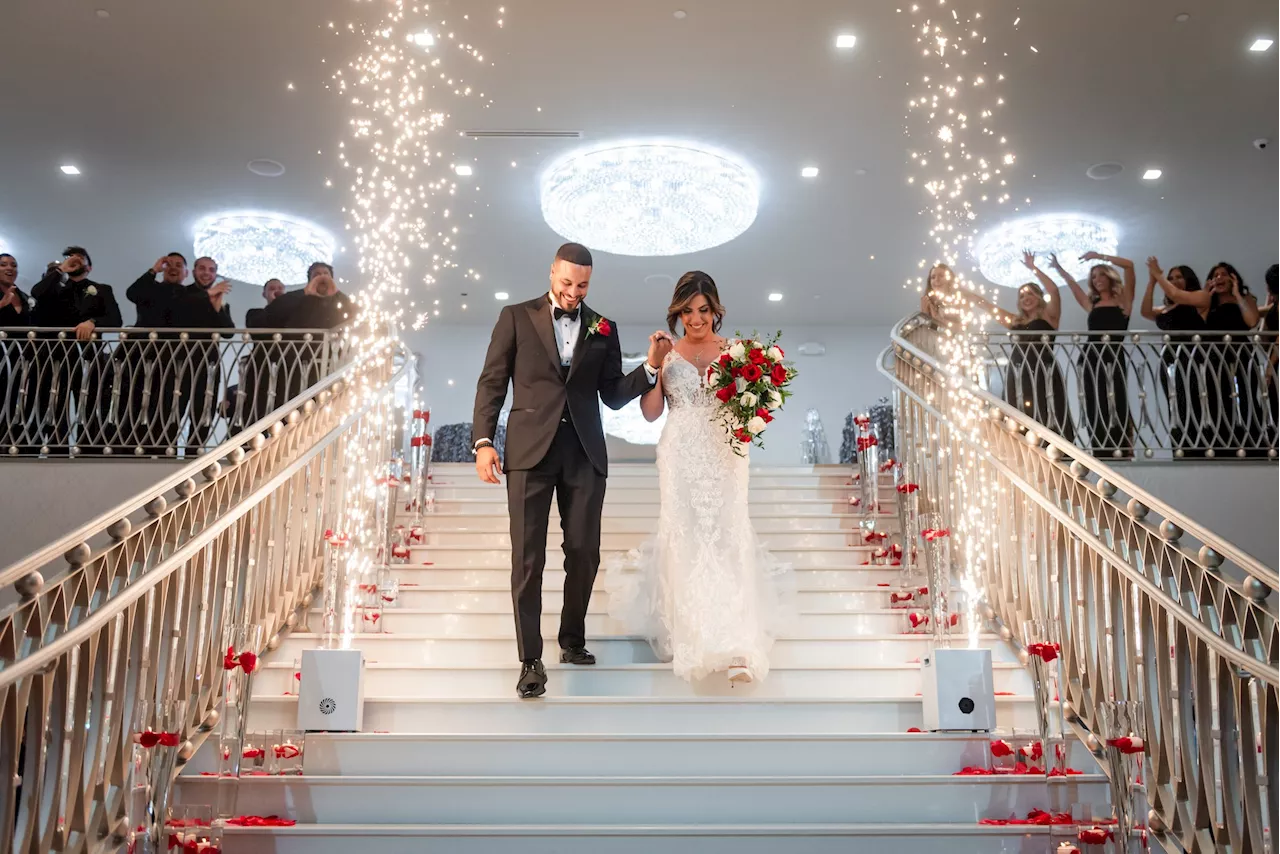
[(756, 425), (748, 399), (766, 379), (91, 291), (775, 354), (775, 400), (737, 352), (739, 385)]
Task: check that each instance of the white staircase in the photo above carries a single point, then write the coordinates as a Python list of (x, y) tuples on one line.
[(623, 756)]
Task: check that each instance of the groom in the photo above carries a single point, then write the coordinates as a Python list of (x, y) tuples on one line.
[(560, 357)]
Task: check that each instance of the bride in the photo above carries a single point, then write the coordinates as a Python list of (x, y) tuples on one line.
[(703, 590)]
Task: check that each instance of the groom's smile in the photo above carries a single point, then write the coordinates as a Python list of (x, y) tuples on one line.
[(569, 283)]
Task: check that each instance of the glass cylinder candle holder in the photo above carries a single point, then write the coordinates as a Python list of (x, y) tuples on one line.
[(256, 756), (287, 748)]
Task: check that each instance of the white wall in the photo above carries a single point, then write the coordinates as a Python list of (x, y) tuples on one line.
[(835, 384)]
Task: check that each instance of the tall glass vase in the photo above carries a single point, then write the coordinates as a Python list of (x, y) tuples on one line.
[(242, 644), (936, 542), (1123, 734), (158, 731), (1043, 651), (908, 488)]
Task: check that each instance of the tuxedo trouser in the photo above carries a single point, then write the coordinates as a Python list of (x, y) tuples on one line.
[(567, 472)]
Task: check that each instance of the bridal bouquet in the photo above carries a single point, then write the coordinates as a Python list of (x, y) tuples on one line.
[(750, 380)]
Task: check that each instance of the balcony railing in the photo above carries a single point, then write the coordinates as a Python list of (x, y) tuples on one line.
[(1144, 395), (1147, 605), (133, 608), (150, 393)]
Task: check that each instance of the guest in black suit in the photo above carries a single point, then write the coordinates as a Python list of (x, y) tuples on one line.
[(201, 305), (149, 367), (320, 305), (258, 370), (15, 353), (71, 372), (562, 360)]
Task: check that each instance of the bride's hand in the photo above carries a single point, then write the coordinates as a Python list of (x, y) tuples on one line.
[(660, 345)]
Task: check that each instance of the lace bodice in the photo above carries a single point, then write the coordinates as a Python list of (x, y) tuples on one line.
[(684, 385)]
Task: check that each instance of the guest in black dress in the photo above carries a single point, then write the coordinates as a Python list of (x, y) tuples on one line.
[(1179, 377), (1233, 423), (1032, 381), (1103, 366), (1269, 319), (15, 354)]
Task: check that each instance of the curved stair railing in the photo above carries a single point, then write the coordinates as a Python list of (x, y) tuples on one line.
[(1140, 611), (136, 604)]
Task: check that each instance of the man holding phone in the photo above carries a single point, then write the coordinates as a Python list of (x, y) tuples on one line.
[(203, 306)]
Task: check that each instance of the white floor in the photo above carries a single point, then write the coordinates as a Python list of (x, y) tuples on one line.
[(624, 757)]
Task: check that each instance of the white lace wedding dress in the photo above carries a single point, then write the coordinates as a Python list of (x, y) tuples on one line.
[(703, 590)]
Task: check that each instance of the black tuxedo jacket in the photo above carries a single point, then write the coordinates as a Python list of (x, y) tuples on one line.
[(523, 352), (68, 305)]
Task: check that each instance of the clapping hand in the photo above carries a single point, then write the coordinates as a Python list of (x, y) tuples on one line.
[(1153, 267), (218, 292), (11, 299), (660, 344)]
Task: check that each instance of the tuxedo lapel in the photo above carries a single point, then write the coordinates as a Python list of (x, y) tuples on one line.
[(580, 348), (540, 316)]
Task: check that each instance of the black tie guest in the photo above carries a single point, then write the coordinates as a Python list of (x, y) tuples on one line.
[(15, 354), (259, 370), (320, 305), (148, 367), (71, 371), (200, 306)]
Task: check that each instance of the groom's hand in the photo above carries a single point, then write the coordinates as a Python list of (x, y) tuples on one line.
[(660, 344), (488, 466)]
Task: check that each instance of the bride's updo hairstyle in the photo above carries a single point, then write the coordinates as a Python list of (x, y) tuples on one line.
[(690, 286)]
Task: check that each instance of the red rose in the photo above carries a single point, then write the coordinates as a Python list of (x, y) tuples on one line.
[(725, 393), (742, 435), (764, 413), (779, 374), (751, 373), (756, 357), (735, 372), (726, 360), (604, 328), (149, 739)]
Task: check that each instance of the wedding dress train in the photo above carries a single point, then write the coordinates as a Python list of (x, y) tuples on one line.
[(703, 590)]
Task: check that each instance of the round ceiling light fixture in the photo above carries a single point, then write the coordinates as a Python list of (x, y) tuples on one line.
[(254, 246), (999, 251), (1103, 171), (266, 168), (650, 197)]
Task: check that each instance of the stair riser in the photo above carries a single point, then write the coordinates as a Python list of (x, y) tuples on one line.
[(583, 756), (393, 683), (765, 525), (449, 571), (543, 801), (492, 599), (496, 505), (835, 539), (603, 716), (462, 625), (841, 558), (761, 493), (643, 841), (480, 652)]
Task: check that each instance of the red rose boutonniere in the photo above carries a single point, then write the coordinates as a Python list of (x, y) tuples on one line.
[(600, 327)]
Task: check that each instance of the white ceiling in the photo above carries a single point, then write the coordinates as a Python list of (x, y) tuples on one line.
[(164, 102)]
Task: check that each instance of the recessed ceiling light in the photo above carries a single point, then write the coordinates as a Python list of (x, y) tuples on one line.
[(422, 39), (859, 171), (1182, 17), (68, 169), (450, 382), (680, 14), (502, 295), (1261, 45), (809, 172), (462, 169), (266, 168), (102, 13), (1103, 171), (775, 297), (1151, 174), (844, 41)]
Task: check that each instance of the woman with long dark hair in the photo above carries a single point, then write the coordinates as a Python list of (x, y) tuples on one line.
[(1103, 365), (1230, 422), (1179, 378)]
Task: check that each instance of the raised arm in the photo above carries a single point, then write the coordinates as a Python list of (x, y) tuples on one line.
[(1082, 298), (1130, 287), (1004, 318), (1200, 299), (1148, 303), (1052, 296)]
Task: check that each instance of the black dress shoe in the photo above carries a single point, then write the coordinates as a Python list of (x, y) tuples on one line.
[(533, 680), (576, 655)]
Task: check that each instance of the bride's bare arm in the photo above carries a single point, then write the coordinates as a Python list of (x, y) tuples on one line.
[(652, 402)]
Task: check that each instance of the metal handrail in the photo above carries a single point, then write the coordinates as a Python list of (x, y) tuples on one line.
[(145, 616), (1138, 615), (150, 393)]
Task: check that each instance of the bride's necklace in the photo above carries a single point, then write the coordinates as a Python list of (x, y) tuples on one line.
[(703, 355)]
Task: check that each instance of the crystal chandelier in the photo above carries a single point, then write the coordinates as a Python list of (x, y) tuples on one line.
[(650, 198), (254, 247), (999, 251)]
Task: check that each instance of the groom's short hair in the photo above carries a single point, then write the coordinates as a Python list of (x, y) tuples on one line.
[(574, 253)]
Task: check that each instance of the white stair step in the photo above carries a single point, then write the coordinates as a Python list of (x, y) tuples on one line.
[(462, 623), (623, 540), (389, 681), (450, 597), (765, 524), (453, 569), (496, 502), (487, 557), (636, 714), (641, 755), (634, 492), (636, 800), (501, 650), (967, 838)]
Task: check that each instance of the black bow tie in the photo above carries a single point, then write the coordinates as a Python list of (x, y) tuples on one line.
[(559, 312)]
